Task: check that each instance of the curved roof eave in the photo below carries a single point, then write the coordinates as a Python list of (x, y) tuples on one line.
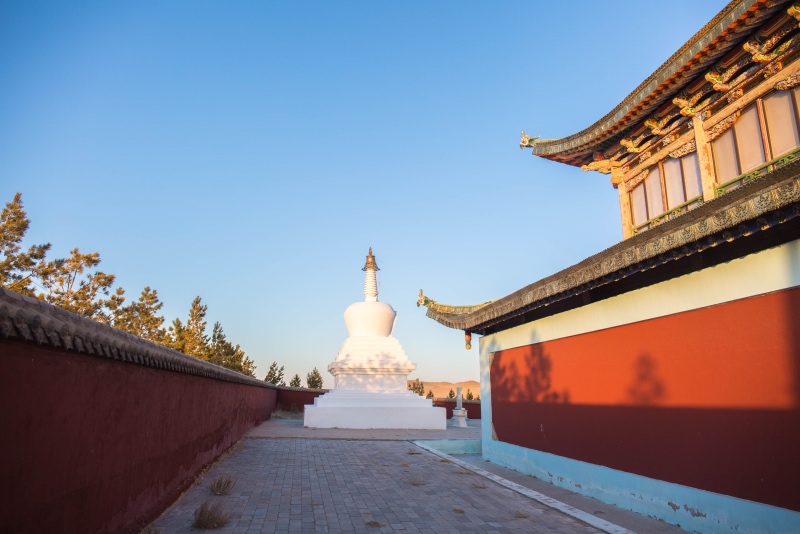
[(679, 63)]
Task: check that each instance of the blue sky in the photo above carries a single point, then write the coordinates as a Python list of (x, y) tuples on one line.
[(251, 152)]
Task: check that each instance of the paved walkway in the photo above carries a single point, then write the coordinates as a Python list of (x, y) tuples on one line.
[(291, 479)]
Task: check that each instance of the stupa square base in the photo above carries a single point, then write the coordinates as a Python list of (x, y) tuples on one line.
[(387, 417)]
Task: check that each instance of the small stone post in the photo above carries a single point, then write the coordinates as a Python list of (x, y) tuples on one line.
[(459, 414)]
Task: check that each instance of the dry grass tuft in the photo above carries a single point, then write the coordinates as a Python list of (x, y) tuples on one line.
[(374, 523), (403, 465), (417, 482), (458, 510), (211, 516), (464, 472), (520, 515), (222, 485), (444, 460), (413, 452), (281, 413), (478, 484)]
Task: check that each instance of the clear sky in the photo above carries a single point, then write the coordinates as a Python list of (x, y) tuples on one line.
[(251, 152)]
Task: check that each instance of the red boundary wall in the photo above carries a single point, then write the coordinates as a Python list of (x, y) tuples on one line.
[(95, 445), (296, 399), (708, 398)]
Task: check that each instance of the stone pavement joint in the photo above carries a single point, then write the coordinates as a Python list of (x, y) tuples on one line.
[(306, 485)]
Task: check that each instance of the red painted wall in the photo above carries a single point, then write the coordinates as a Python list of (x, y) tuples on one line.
[(708, 398), (473, 408), (288, 398), (94, 445)]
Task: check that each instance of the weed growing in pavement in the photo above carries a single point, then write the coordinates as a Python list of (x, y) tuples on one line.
[(222, 485), (478, 484), (520, 515), (458, 510), (464, 472), (211, 516), (417, 482), (374, 523), (287, 414)]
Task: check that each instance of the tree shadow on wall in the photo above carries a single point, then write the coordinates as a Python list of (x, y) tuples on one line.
[(648, 387), (523, 374)]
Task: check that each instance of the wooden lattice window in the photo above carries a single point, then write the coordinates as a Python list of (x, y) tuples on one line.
[(669, 185), (781, 114), (766, 130)]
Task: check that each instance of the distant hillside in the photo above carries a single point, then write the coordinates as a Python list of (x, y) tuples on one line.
[(440, 389)]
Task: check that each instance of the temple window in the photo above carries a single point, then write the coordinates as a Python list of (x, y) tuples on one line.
[(682, 179), (780, 110), (766, 131), (671, 185)]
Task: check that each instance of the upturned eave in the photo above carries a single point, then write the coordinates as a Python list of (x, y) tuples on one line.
[(712, 42)]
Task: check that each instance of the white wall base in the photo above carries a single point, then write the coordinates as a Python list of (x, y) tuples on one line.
[(348, 409)]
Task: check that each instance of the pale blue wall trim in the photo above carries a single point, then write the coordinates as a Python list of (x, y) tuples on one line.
[(723, 514)]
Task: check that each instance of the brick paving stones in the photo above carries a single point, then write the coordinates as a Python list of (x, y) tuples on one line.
[(314, 485)]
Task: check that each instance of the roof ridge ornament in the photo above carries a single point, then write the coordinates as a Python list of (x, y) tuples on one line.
[(527, 141)]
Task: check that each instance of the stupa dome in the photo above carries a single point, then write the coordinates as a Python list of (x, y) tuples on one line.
[(369, 319)]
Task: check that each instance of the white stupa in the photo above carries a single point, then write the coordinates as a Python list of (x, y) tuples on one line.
[(370, 373)]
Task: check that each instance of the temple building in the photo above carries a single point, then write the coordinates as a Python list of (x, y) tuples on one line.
[(663, 373)]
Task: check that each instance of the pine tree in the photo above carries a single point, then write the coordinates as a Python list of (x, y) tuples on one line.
[(176, 338), (225, 354), (314, 379), (451, 395), (469, 395), (71, 284), (275, 375), (16, 267), (295, 381), (430, 394), (141, 318), (417, 387), (196, 343)]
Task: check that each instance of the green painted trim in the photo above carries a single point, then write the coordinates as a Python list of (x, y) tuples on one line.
[(667, 215), (759, 171)]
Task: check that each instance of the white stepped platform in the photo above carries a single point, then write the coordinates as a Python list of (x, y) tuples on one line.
[(358, 409)]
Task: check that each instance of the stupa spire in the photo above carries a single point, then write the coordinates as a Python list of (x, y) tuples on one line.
[(370, 279)]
